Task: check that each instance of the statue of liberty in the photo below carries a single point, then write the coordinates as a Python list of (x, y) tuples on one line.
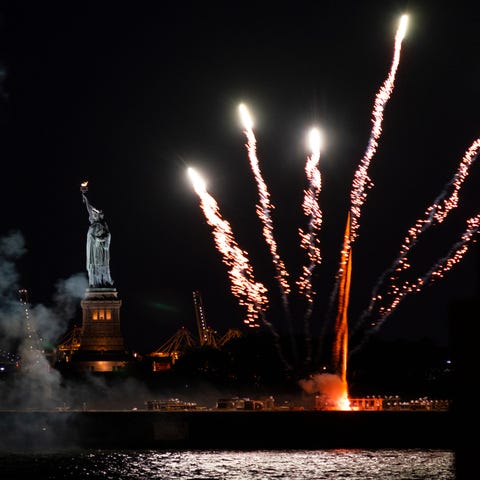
[(98, 246)]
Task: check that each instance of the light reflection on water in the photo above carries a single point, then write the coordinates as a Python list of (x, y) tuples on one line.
[(232, 465)]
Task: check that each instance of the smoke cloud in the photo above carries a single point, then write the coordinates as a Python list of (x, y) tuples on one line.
[(328, 386)]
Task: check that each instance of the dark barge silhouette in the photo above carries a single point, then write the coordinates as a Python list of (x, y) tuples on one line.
[(215, 429)]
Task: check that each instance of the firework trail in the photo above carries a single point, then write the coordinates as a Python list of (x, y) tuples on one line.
[(309, 240), (361, 181), (265, 207), (434, 215), (251, 294), (263, 210), (340, 343), (445, 264)]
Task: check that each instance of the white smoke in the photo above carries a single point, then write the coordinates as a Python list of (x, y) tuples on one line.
[(12, 247), (328, 386), (26, 331), (53, 322), (35, 387)]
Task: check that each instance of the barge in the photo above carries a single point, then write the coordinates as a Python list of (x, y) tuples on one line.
[(228, 429)]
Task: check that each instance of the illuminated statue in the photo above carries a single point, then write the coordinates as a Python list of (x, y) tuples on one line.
[(98, 246)]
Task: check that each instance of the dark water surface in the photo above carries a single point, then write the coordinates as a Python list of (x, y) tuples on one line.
[(349, 464)]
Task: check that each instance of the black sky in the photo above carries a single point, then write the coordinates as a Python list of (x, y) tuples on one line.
[(127, 95)]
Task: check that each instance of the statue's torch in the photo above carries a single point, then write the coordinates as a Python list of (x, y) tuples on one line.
[(84, 187)]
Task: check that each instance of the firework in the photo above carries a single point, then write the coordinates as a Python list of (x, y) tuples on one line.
[(265, 207), (309, 240), (251, 294), (438, 271), (361, 181), (434, 215), (340, 342), (254, 295)]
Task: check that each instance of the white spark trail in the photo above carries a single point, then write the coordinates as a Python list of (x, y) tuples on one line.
[(264, 207), (434, 215), (362, 181), (309, 240), (251, 294), (263, 210), (445, 264)]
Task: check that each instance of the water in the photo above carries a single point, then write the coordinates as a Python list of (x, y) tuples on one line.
[(355, 464)]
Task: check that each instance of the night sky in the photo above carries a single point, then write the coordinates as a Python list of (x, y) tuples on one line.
[(127, 96)]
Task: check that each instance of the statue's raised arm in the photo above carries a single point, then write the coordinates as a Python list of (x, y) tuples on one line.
[(87, 204), (98, 246)]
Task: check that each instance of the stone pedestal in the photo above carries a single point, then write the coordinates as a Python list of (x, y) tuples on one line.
[(102, 347), (101, 330)]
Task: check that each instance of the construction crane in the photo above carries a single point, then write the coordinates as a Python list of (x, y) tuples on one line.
[(31, 340), (32, 345), (229, 335), (200, 317), (178, 343), (168, 353), (70, 342), (206, 335)]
